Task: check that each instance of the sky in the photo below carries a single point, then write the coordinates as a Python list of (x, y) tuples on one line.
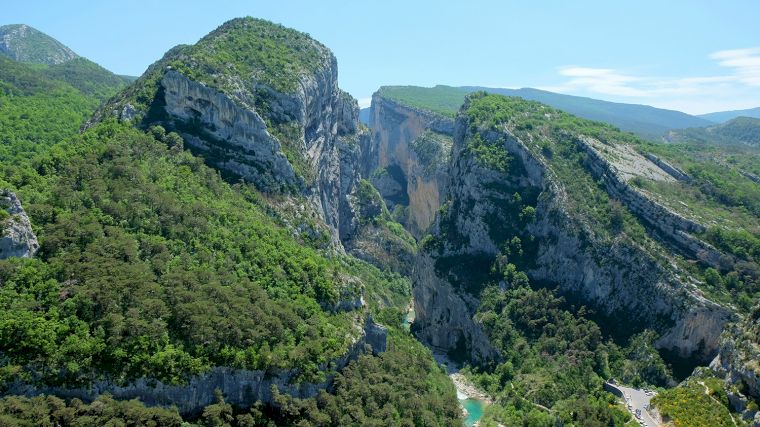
[(694, 56)]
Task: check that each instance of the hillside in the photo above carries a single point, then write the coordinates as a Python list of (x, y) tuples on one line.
[(167, 280), (645, 121), (228, 240), (737, 131), (536, 200), (25, 44), (724, 116)]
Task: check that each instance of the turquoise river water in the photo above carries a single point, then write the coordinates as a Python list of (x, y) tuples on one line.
[(474, 409)]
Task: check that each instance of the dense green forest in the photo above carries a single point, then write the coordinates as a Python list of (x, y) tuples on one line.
[(153, 266)]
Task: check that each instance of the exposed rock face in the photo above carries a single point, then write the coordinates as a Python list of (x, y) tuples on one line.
[(616, 277), (674, 228), (304, 143), (232, 138), (667, 167), (25, 44), (241, 388), (400, 172), (16, 236), (739, 362), (444, 315)]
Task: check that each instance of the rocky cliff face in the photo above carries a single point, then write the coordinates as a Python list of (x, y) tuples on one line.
[(407, 159), (739, 363), (26, 44), (17, 239), (299, 139), (495, 197), (240, 387)]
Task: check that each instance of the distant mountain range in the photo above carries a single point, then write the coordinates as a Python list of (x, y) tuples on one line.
[(53, 61), (724, 116), (643, 120), (741, 130)]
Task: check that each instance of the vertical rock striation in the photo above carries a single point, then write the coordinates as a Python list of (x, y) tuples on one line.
[(617, 277), (407, 159), (17, 239)]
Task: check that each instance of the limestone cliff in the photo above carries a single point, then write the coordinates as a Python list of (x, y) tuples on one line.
[(240, 387), (291, 132), (739, 363), (17, 239), (505, 198), (407, 159)]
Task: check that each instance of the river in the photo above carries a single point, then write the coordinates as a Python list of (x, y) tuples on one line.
[(472, 400)]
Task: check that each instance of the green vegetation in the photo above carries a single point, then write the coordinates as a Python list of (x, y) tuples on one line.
[(402, 387), (725, 200), (17, 411), (444, 100), (153, 253), (257, 51), (696, 404), (647, 122), (36, 111), (554, 362), (719, 194), (433, 150), (88, 77), (553, 135), (741, 130), (261, 59), (153, 266), (379, 238)]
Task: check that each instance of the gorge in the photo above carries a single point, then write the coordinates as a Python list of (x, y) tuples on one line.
[(225, 241)]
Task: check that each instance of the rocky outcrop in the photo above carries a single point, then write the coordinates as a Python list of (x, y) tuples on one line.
[(616, 277), (667, 167), (738, 361), (301, 142), (17, 239), (404, 175), (25, 44), (231, 138), (672, 227), (444, 316), (240, 387)]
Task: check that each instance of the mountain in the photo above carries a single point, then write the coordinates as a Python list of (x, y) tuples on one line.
[(23, 43), (223, 243), (643, 120), (740, 130), (724, 116), (208, 244), (541, 211), (89, 77)]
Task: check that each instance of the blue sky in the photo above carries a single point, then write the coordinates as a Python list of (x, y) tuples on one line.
[(695, 56)]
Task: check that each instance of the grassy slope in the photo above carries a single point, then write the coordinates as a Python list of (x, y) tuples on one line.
[(173, 269), (737, 131), (444, 100)]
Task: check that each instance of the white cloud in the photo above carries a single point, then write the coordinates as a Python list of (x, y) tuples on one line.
[(365, 102), (601, 80), (696, 94), (745, 62)]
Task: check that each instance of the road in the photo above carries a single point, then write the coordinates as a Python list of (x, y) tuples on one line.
[(637, 399)]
